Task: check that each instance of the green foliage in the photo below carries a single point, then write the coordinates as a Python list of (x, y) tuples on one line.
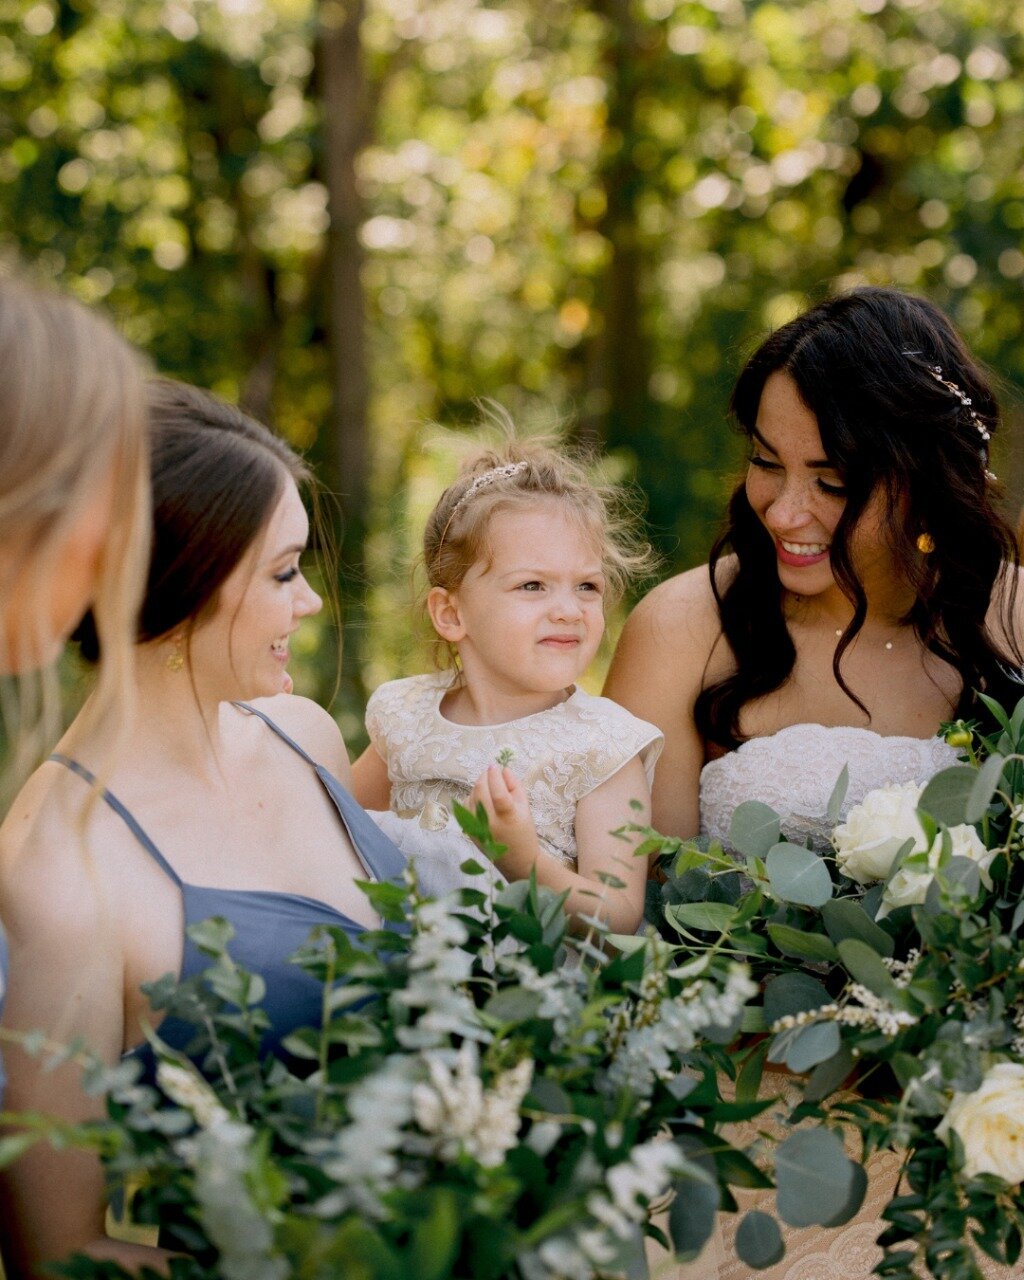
[(907, 1027), (588, 213), (471, 1104)]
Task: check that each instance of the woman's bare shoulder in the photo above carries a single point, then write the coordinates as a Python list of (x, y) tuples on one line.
[(312, 727), (44, 871), (682, 610)]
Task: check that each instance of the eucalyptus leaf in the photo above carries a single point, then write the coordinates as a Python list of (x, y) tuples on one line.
[(514, 1004), (845, 918), (711, 917), (817, 1042), (947, 795), (798, 875), (754, 828), (827, 1076), (792, 993), (814, 1176), (759, 1241), (691, 1219), (835, 800), (865, 965), (858, 1190), (802, 944), (986, 780)]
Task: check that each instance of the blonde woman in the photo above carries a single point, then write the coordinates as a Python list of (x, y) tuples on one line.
[(73, 510)]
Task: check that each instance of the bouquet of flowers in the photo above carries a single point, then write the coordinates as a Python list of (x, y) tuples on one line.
[(891, 969), (472, 1105)]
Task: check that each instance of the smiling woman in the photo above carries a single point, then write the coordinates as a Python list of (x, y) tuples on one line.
[(870, 593), (201, 814)]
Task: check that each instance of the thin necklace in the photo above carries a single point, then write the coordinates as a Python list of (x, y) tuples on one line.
[(839, 632)]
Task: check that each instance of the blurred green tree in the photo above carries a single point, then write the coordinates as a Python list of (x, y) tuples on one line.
[(358, 216)]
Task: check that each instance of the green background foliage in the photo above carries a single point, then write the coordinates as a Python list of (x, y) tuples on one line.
[(589, 210)]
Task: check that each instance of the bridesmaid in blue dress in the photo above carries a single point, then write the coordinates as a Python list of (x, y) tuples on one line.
[(230, 800), (72, 438)]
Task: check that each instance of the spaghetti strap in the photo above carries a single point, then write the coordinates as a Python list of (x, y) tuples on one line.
[(375, 851), (125, 814), (244, 706)]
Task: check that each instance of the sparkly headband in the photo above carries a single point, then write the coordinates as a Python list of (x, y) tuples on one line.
[(954, 388), (481, 482), (488, 478)]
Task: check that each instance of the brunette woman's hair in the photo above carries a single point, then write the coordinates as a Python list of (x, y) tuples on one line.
[(72, 427), (217, 476), (868, 365)]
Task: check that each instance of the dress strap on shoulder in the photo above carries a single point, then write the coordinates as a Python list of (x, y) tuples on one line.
[(377, 853), (124, 814), (252, 711)]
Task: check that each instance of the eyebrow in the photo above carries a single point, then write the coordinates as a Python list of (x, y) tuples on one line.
[(296, 549), (818, 464), (596, 572)]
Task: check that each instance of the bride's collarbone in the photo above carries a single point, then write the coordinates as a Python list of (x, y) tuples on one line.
[(895, 704)]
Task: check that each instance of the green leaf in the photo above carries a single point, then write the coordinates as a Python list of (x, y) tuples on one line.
[(865, 965), (798, 875), (748, 1081), (738, 1170), (946, 796), (846, 918), (803, 945), (998, 714), (759, 1241), (813, 1044), (754, 829), (15, 1145), (828, 1076), (835, 800), (691, 1219), (435, 1237), (986, 780), (513, 1004), (855, 1199), (792, 993), (814, 1176), (714, 917)]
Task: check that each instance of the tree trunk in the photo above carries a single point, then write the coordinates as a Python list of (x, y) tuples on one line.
[(620, 362), (345, 104), (344, 96)]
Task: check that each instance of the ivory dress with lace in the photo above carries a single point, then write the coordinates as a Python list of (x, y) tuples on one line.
[(795, 771), (561, 755)]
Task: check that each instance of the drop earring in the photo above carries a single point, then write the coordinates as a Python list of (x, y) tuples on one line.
[(175, 659), (925, 543)]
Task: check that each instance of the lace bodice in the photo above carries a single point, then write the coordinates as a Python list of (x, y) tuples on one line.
[(561, 754), (796, 769)]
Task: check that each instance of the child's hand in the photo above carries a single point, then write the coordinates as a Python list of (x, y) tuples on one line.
[(505, 802)]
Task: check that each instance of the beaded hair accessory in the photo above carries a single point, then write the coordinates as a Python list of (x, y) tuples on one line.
[(487, 478), (482, 481), (954, 388)]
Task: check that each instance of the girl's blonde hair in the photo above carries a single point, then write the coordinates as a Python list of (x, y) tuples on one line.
[(519, 475), (72, 420)]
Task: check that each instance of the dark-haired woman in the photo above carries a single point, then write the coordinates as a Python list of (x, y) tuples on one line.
[(215, 808), (871, 590)]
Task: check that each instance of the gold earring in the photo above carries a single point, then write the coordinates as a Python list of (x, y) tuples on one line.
[(925, 543), (175, 659)]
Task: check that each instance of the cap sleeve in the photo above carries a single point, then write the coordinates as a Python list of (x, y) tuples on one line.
[(379, 715), (614, 736)]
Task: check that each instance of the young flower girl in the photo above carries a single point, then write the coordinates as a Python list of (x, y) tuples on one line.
[(522, 556)]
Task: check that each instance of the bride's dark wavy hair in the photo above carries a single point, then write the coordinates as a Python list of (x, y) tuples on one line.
[(863, 363)]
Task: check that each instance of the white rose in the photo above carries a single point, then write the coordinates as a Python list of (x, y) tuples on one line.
[(990, 1124), (908, 888), (876, 829)]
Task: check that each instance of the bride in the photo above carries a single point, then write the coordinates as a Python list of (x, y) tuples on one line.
[(864, 590)]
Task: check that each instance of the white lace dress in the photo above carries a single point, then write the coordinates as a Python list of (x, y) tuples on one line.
[(561, 755), (795, 771)]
